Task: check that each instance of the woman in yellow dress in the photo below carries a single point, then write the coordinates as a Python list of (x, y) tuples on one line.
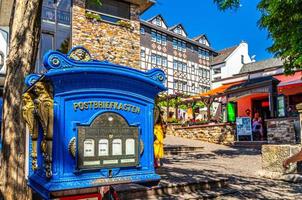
[(159, 134)]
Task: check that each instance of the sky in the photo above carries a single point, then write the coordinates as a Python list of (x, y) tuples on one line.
[(223, 29)]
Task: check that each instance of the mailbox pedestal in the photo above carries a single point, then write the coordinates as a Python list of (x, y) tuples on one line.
[(90, 122)]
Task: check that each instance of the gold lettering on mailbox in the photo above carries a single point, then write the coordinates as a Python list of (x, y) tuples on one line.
[(89, 105)]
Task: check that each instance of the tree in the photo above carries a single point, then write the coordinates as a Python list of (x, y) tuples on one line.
[(25, 26), (283, 20)]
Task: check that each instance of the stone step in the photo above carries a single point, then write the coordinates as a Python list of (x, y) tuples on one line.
[(249, 144), (135, 191), (202, 194), (181, 150)]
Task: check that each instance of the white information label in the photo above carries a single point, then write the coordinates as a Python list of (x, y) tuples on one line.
[(130, 160), (108, 162), (89, 148), (130, 146), (95, 162), (116, 147), (103, 147)]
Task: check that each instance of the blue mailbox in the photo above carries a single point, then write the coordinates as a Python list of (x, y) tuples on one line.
[(90, 122)]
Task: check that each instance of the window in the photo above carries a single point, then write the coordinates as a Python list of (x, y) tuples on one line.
[(208, 74), (111, 10), (193, 69), (47, 43), (158, 21), (174, 44), (50, 32), (153, 59), (180, 85), (158, 37), (204, 54), (153, 36), (143, 54), (217, 70), (142, 31), (242, 59), (180, 66), (158, 60), (193, 87), (204, 73), (179, 45), (164, 39), (164, 62), (207, 55), (63, 11)]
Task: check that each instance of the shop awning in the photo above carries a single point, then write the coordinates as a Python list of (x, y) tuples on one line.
[(218, 91), (290, 84)]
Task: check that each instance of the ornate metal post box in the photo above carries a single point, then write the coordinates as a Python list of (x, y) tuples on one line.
[(90, 122)]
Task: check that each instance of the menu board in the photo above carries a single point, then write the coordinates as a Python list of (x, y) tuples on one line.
[(243, 126)]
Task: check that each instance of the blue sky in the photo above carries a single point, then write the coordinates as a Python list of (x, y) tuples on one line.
[(224, 29)]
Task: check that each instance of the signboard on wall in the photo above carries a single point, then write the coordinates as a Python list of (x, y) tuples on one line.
[(244, 127)]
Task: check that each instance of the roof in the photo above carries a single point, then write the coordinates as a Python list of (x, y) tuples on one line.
[(223, 55), (219, 90), (252, 82), (143, 4), (159, 15), (173, 27), (201, 36), (171, 33), (261, 65)]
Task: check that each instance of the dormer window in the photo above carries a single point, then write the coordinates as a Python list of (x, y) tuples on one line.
[(158, 21), (177, 30)]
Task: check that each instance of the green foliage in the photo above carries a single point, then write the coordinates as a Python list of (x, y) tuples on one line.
[(198, 104), (283, 20), (124, 23), (65, 46), (97, 2), (172, 120), (226, 4), (91, 15)]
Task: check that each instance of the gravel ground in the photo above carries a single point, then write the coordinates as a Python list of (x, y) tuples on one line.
[(241, 165)]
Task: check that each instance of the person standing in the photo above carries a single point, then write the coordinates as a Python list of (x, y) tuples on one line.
[(159, 134), (257, 127)]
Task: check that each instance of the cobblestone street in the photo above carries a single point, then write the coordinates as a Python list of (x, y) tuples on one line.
[(240, 165)]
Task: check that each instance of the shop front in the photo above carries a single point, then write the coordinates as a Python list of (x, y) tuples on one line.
[(250, 104)]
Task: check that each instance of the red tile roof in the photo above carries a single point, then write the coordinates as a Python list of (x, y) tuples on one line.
[(222, 55)]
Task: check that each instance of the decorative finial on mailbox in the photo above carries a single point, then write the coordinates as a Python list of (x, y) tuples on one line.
[(79, 53), (31, 79)]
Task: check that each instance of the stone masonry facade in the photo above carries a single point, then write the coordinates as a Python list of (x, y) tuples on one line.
[(218, 133), (281, 131), (116, 43)]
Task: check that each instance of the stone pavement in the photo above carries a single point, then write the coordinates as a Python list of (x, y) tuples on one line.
[(240, 165)]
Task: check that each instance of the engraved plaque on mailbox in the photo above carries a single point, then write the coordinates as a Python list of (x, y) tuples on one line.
[(108, 141)]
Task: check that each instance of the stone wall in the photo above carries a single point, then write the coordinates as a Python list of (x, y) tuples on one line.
[(281, 131), (119, 44), (274, 155), (216, 133)]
